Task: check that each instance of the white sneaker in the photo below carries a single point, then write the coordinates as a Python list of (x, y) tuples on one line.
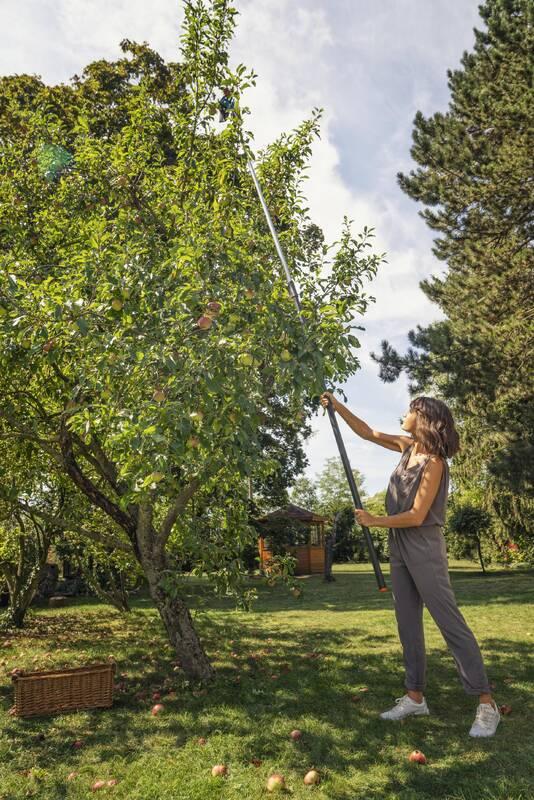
[(486, 720), (405, 707)]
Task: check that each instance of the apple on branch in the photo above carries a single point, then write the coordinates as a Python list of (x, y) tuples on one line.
[(204, 322)]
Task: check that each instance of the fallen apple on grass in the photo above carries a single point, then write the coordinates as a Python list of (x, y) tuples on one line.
[(98, 785), (312, 778), (276, 782), (77, 744), (72, 775), (417, 757), (214, 306), (219, 771), (201, 741), (156, 696), (157, 709), (296, 735)]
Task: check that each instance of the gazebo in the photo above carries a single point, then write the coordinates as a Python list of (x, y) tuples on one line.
[(309, 555)]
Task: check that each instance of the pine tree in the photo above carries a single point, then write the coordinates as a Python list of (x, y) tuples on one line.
[(474, 177)]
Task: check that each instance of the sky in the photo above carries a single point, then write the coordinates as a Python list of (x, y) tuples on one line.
[(370, 66)]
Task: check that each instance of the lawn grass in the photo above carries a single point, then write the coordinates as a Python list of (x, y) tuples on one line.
[(313, 654)]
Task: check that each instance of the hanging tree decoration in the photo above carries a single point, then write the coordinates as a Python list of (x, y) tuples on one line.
[(53, 161), (226, 104)]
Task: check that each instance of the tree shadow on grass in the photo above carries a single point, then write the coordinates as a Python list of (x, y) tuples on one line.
[(317, 673)]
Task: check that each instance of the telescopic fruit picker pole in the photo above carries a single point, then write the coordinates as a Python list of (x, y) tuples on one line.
[(331, 413)]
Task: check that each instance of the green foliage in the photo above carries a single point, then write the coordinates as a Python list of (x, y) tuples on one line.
[(105, 272), (333, 488), (304, 494), (474, 177)]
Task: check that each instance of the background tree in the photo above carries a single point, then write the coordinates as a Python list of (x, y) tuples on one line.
[(112, 360), (304, 493), (332, 486), (26, 493), (474, 177), (468, 523)]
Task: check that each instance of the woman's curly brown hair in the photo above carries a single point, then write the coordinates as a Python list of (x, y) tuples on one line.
[(434, 427)]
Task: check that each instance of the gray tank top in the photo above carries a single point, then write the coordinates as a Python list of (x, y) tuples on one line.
[(403, 486)]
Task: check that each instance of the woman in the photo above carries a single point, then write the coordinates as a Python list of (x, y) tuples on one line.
[(415, 502)]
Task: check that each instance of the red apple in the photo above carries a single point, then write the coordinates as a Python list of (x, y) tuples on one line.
[(214, 306), (418, 757), (296, 735), (312, 778), (98, 785), (201, 741), (78, 744), (204, 322), (276, 782), (157, 709), (112, 782), (156, 696), (219, 771)]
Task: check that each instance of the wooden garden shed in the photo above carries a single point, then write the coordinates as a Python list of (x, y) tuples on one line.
[(309, 555)]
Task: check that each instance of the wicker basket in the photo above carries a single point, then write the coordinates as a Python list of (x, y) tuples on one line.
[(63, 690)]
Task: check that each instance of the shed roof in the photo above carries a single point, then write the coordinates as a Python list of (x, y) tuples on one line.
[(292, 511)]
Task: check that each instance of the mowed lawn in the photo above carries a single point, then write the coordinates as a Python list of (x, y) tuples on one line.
[(326, 663)]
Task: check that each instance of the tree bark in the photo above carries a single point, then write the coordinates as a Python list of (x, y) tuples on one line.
[(480, 555), (173, 610)]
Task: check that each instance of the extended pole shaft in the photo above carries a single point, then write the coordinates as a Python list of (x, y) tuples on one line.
[(331, 413)]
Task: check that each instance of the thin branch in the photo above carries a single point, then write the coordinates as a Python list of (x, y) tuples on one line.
[(72, 527), (176, 509), (81, 480)]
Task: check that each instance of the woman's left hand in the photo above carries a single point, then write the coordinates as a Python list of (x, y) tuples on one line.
[(363, 517)]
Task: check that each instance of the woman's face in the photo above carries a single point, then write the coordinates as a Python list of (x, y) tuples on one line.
[(408, 422)]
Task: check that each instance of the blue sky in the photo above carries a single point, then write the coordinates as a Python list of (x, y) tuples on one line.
[(370, 66)]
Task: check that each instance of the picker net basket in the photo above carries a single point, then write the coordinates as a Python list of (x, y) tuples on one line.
[(54, 691)]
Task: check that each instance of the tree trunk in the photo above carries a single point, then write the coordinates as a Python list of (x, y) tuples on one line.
[(17, 614), (480, 555), (173, 611), (182, 635)]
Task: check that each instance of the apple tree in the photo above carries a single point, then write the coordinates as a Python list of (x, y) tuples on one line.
[(145, 325)]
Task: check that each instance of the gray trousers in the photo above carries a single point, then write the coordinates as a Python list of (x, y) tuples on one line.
[(419, 574)]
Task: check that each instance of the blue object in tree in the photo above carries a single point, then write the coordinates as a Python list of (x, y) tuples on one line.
[(226, 104)]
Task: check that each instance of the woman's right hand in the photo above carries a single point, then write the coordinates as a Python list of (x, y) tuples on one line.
[(328, 397)]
